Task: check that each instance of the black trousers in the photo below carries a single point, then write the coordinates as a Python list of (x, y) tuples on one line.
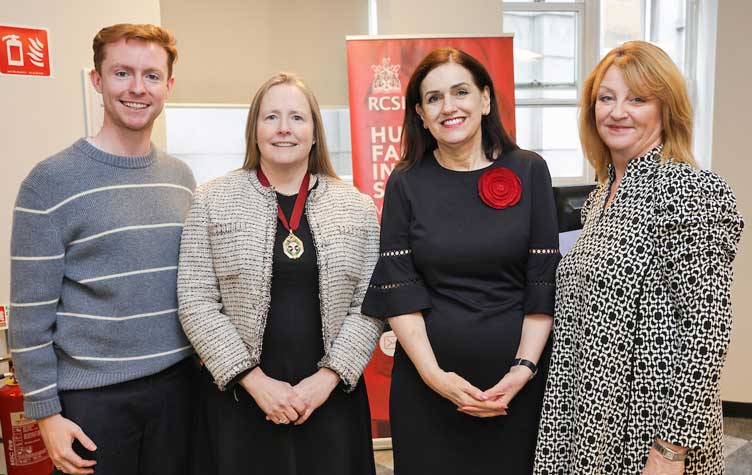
[(140, 427)]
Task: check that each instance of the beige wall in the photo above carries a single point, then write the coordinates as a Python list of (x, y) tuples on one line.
[(229, 47), (399, 17), (732, 159), (44, 115)]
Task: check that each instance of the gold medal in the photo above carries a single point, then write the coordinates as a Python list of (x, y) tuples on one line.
[(292, 246)]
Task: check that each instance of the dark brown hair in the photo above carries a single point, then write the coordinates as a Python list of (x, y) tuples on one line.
[(417, 141), (130, 31)]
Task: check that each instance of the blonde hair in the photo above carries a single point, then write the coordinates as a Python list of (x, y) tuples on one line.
[(131, 31), (318, 158), (647, 70)]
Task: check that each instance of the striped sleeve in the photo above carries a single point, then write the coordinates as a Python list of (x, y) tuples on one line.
[(37, 269)]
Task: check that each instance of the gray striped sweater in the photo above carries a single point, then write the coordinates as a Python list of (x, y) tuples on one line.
[(94, 254)]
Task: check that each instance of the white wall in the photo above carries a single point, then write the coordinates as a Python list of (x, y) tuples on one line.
[(44, 115), (731, 159)]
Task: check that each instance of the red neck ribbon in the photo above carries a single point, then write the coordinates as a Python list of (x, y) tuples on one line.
[(297, 209)]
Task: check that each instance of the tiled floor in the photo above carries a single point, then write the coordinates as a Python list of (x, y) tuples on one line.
[(738, 441), (738, 451)]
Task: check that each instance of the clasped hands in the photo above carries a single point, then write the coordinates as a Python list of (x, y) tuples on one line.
[(474, 402), (284, 403)]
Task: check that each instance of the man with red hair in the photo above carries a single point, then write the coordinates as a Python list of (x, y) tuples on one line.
[(100, 354)]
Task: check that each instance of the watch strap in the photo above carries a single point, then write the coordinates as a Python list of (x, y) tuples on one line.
[(668, 453), (527, 363)]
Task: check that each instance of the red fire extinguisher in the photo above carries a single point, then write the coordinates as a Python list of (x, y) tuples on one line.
[(25, 453)]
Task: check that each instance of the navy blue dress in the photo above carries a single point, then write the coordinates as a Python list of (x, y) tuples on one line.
[(473, 272)]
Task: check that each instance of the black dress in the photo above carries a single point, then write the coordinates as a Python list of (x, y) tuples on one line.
[(474, 272), (336, 439)]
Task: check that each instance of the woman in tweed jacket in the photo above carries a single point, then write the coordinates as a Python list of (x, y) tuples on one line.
[(271, 302)]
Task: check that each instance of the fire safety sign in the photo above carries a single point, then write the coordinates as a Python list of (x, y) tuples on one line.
[(24, 51)]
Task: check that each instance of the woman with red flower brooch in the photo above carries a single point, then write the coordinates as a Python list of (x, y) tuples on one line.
[(469, 248)]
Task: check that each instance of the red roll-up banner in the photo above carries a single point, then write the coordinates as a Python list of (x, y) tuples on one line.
[(379, 68)]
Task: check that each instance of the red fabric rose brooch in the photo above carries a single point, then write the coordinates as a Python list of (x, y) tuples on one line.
[(499, 188)]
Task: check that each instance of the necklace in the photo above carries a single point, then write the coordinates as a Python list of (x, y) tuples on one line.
[(292, 246)]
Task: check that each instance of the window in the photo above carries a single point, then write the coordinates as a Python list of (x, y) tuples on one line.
[(558, 42), (548, 68)]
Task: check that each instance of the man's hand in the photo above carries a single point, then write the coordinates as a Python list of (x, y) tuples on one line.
[(58, 434)]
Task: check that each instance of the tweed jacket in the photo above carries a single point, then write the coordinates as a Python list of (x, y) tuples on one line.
[(225, 273)]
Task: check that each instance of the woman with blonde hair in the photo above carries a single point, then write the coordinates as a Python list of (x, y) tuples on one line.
[(643, 309), (274, 263)]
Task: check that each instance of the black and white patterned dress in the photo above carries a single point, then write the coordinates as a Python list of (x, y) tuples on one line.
[(643, 321)]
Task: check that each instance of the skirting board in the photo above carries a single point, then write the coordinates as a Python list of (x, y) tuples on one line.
[(737, 409)]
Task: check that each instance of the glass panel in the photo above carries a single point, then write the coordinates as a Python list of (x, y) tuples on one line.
[(211, 140), (624, 20), (545, 54), (621, 20), (668, 28), (552, 133), (544, 1), (337, 130)]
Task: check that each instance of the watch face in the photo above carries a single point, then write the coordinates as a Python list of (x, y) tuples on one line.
[(667, 453)]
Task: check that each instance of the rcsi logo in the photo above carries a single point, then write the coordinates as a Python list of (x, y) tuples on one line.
[(387, 84), (24, 51), (386, 77)]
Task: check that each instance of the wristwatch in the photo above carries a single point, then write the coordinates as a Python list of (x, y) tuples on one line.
[(668, 453), (527, 363)]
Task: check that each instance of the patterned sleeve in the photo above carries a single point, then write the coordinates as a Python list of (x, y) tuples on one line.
[(353, 347), (588, 205), (396, 286), (698, 231), (540, 288), (213, 335)]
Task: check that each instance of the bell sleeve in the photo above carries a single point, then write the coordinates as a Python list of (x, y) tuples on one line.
[(396, 286), (698, 230), (544, 255)]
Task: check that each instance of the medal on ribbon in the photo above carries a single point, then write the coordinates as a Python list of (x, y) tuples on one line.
[(292, 246)]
